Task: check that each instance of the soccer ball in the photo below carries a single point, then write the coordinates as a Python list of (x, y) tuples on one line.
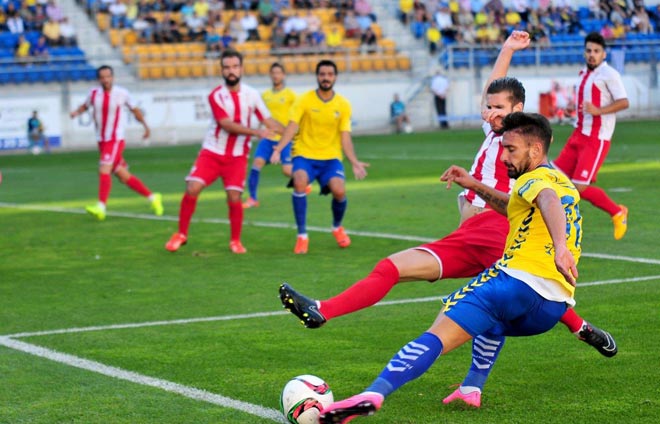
[(303, 398), (407, 128), (36, 150)]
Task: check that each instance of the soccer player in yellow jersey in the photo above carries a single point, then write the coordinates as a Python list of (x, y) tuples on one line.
[(278, 100), (524, 293), (322, 120)]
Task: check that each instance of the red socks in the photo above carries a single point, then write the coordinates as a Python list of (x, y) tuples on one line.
[(188, 204), (235, 219), (364, 293), (135, 184), (572, 320), (600, 199), (105, 183)]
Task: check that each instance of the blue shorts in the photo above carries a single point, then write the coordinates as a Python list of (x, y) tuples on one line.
[(265, 151), (321, 170), (496, 303)]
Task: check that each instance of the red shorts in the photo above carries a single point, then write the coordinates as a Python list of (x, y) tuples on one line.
[(210, 166), (112, 153), (582, 157), (472, 247)]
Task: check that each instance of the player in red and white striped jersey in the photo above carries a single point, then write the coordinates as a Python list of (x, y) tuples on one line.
[(470, 248), (106, 103), (225, 149), (600, 94)]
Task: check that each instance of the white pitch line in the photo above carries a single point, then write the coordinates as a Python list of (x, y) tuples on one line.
[(288, 226), (272, 313), (133, 377)]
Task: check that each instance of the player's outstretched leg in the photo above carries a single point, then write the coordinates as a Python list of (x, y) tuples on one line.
[(344, 411), (599, 339), (620, 221), (304, 308)]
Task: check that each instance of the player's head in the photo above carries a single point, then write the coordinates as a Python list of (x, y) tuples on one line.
[(594, 50), (526, 140), (231, 64), (506, 95), (277, 74), (106, 76), (326, 74)]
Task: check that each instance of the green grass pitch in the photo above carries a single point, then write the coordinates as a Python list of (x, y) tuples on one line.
[(233, 349)]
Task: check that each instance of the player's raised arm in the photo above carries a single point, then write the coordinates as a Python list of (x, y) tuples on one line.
[(518, 40)]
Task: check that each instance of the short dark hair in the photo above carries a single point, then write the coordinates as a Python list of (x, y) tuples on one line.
[(103, 68), (511, 85), (231, 53), (595, 37), (529, 125), (277, 65), (326, 62)]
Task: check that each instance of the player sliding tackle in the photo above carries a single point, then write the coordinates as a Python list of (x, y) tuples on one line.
[(525, 292)]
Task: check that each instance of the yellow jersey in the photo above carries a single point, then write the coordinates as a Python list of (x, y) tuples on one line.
[(320, 125), (279, 104), (529, 246)]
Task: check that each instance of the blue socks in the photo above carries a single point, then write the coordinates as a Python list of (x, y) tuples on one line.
[(409, 363), (338, 210), (300, 211), (253, 182), (485, 350)]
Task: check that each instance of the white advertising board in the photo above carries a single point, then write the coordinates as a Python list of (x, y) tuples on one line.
[(14, 115)]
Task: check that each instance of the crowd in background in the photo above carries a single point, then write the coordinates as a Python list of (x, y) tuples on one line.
[(489, 22), (24, 18)]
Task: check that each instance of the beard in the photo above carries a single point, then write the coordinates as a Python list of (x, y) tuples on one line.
[(232, 80), (514, 172), (325, 85)]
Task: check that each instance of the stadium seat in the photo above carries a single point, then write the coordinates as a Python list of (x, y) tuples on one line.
[(169, 71), (183, 70), (403, 63)]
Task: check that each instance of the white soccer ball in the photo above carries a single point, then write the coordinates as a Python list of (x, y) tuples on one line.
[(36, 150), (407, 128), (303, 398)]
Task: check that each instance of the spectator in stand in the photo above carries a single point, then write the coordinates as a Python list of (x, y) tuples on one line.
[(595, 11), (419, 23), (118, 12), (618, 14), (445, 22), (236, 29), (27, 15), (294, 27), (187, 10), (440, 88), (266, 12), (67, 33), (607, 32), (640, 21), (216, 7), (22, 51), (250, 24), (368, 41), (522, 8), (143, 27), (3, 20), (334, 38), (132, 12), (313, 23), (433, 37), (196, 30), (53, 11), (405, 10), (167, 30), (227, 40), (351, 25), (39, 50), (364, 22), (15, 23), (51, 31), (618, 31), (654, 16), (201, 7), (362, 7), (278, 37), (512, 18)]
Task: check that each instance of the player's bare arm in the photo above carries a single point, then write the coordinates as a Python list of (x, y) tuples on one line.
[(137, 112), (359, 168), (614, 107), (235, 128), (518, 40), (274, 126), (82, 108), (496, 199), (287, 135), (555, 220)]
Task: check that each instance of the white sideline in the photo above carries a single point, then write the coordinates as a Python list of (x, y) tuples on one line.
[(121, 374), (287, 226)]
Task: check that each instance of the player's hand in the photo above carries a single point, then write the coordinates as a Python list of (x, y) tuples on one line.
[(518, 40), (456, 174), (265, 133), (73, 114), (489, 115), (360, 170), (588, 107), (275, 157), (147, 133), (565, 263)]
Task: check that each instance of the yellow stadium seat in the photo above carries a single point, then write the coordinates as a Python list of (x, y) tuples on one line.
[(103, 21), (302, 65), (155, 71), (130, 38), (340, 62), (183, 70), (198, 69), (390, 63), (289, 67), (387, 45), (378, 31), (378, 63), (263, 66), (250, 68), (265, 32), (169, 71), (403, 63), (143, 71)]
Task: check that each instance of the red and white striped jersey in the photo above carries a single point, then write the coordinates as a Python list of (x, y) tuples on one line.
[(106, 107), (239, 106), (488, 168), (601, 87)]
